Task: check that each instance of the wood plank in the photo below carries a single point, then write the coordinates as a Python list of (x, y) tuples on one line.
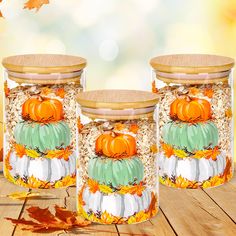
[(8, 207), (94, 229), (156, 226), (192, 212), (60, 194), (225, 197)]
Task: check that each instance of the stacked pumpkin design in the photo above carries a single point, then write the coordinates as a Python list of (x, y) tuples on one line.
[(190, 156), (41, 156), (115, 192)]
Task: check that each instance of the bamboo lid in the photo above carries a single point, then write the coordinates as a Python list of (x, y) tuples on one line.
[(192, 63), (44, 63), (117, 99)]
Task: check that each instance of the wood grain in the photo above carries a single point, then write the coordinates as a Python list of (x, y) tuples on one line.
[(192, 212), (192, 63), (117, 99), (209, 212), (8, 207), (44, 63)]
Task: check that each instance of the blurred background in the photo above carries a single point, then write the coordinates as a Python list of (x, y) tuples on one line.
[(118, 38)]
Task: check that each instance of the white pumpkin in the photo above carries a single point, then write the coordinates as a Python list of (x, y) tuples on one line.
[(49, 170), (191, 168), (120, 205)]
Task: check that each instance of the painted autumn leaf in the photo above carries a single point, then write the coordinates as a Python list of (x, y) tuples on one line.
[(44, 221), (134, 128), (60, 154), (35, 4), (208, 92), (20, 150), (168, 150), (93, 186), (60, 92)]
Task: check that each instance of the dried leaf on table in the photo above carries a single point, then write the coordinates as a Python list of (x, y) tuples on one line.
[(24, 195), (45, 221), (35, 4)]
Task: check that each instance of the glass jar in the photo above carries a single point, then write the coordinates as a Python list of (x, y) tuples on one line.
[(40, 147), (195, 119), (117, 168)]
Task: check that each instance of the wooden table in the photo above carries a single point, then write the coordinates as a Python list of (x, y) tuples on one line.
[(182, 212)]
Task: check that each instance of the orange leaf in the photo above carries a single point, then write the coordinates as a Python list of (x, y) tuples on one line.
[(20, 150), (80, 126), (46, 91), (153, 148), (168, 150), (93, 186), (35, 4), (154, 88), (133, 128), (119, 126), (60, 92), (6, 89), (228, 113), (47, 222), (208, 92), (60, 154), (193, 91)]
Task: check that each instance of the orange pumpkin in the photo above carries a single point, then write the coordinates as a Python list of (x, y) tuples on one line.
[(42, 109), (190, 109), (116, 145)]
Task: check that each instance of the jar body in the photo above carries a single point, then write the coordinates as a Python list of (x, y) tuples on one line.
[(196, 132), (40, 137), (117, 170)]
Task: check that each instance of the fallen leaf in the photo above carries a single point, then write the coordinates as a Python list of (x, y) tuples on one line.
[(24, 195), (47, 222), (35, 4), (1, 155)]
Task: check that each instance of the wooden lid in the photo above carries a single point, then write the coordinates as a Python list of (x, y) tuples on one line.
[(44, 63), (117, 99), (192, 63)]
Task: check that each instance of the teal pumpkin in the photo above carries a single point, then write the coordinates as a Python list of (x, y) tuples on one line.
[(42, 136), (116, 172), (192, 137)]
